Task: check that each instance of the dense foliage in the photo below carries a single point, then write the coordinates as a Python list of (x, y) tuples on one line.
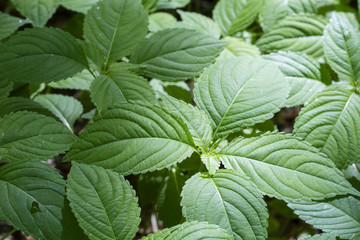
[(167, 120)]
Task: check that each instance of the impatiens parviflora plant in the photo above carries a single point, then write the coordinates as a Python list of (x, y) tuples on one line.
[(215, 172)]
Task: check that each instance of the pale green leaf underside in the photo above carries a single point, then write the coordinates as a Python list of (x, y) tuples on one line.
[(26, 184), (145, 138), (120, 87), (330, 123), (104, 203), (160, 21), (284, 167), (80, 81), (237, 47), (233, 16), (29, 135), (339, 216), (302, 6), (303, 74), (199, 23), (342, 49), (296, 33), (38, 11), (198, 123), (323, 236), (166, 4), (237, 93), (116, 27), (239, 206), (9, 24), (271, 13), (17, 104), (66, 108), (57, 52), (78, 5), (176, 54), (191, 231)]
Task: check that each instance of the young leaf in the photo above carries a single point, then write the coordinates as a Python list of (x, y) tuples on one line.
[(284, 167), (271, 13), (237, 93), (237, 47), (195, 119), (38, 11), (9, 24), (303, 74), (66, 108), (199, 23), (329, 122), (17, 104), (211, 161), (103, 202), (80, 81), (29, 135), (302, 33), (57, 52), (32, 200), (120, 87), (339, 216), (302, 6), (342, 49), (78, 5), (160, 21), (176, 54), (116, 27), (146, 138), (191, 231), (166, 4), (234, 16), (229, 200)]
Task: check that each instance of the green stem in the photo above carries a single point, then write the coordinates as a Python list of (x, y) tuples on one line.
[(8, 234)]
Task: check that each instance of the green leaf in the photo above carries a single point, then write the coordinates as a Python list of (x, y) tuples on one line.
[(342, 49), (168, 200), (166, 4), (120, 87), (38, 11), (160, 21), (5, 88), (116, 27), (28, 135), (271, 13), (229, 200), (296, 33), (9, 24), (303, 74), (56, 54), (199, 23), (80, 81), (237, 47), (104, 203), (324, 236), (149, 5), (146, 138), (197, 122), (191, 231), (237, 93), (302, 6), (17, 104), (32, 200), (78, 5), (211, 161), (234, 16), (176, 54), (179, 90), (66, 108), (284, 167), (329, 122), (338, 216)]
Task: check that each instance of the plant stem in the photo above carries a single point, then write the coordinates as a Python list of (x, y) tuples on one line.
[(8, 234)]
